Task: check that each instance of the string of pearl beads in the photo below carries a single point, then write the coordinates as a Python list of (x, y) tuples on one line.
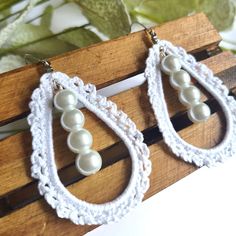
[(189, 95), (79, 139)]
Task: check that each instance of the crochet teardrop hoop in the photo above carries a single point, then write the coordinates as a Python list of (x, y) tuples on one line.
[(43, 161), (182, 149)]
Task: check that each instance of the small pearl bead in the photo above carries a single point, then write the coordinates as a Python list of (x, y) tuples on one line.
[(170, 64), (88, 163), (65, 100), (189, 95), (180, 79), (80, 141), (72, 120), (199, 112)]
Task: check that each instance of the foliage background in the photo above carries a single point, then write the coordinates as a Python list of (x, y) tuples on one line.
[(45, 28)]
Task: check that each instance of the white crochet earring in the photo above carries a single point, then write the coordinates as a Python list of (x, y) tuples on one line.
[(175, 62), (66, 93)]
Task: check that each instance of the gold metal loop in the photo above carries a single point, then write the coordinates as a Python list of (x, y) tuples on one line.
[(31, 59), (150, 32), (152, 35)]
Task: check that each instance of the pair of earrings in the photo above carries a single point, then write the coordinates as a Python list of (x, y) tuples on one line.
[(64, 92)]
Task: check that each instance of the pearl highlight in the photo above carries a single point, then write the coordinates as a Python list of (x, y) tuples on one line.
[(88, 163), (199, 113), (79, 139), (72, 120), (189, 95), (180, 79), (65, 100), (170, 64)]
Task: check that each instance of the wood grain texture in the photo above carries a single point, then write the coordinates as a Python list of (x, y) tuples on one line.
[(105, 62), (38, 218), (16, 150)]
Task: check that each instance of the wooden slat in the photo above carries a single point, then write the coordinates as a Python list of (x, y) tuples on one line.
[(105, 62), (38, 218), (15, 150)]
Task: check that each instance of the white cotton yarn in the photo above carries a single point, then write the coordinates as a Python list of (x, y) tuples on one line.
[(43, 161), (182, 149)]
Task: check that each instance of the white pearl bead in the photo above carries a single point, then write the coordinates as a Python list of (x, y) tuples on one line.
[(88, 163), (80, 141), (170, 64), (65, 100), (72, 120), (199, 112), (180, 79), (189, 95)]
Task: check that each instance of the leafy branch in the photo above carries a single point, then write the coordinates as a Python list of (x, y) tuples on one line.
[(107, 18)]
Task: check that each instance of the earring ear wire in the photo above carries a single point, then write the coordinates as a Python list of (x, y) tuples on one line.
[(149, 31), (32, 59)]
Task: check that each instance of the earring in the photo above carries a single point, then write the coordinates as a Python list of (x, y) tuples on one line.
[(65, 93), (175, 62)]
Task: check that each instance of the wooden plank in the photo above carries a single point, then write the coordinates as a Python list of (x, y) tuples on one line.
[(116, 62), (38, 218), (105, 62), (15, 150)]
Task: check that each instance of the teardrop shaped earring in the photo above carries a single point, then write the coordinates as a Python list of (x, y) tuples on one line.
[(65, 93), (180, 66)]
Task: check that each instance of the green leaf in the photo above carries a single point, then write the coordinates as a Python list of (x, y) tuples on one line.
[(3, 16), (221, 13), (37, 40), (80, 37), (164, 10), (27, 33), (45, 48), (4, 4), (11, 62), (131, 4), (110, 17), (47, 17)]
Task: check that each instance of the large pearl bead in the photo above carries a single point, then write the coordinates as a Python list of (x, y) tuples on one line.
[(199, 112), (180, 79), (80, 141), (88, 163), (65, 100), (189, 95), (170, 64), (72, 120)]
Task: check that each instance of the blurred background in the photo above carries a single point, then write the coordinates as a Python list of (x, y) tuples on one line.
[(45, 28)]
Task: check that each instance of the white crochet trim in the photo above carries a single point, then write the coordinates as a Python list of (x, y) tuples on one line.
[(43, 163), (188, 152)]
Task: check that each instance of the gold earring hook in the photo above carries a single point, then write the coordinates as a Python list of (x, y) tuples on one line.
[(46, 64), (150, 32)]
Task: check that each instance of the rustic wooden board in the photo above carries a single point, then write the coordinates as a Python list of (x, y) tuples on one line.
[(38, 218), (105, 62), (16, 150)]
